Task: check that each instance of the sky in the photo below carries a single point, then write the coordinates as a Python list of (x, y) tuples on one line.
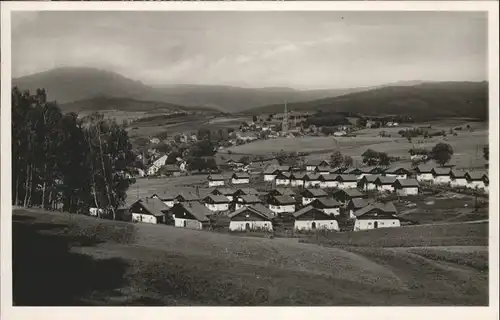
[(301, 50)]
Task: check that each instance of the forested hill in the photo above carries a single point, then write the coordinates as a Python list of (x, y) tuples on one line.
[(428, 100)]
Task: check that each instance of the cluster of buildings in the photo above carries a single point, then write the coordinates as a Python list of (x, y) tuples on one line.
[(249, 209)]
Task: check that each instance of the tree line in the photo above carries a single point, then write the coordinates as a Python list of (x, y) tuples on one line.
[(61, 161)]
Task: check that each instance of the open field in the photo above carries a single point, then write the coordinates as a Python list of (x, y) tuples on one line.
[(467, 146), (88, 261)]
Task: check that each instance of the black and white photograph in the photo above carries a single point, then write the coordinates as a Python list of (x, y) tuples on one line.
[(249, 158)]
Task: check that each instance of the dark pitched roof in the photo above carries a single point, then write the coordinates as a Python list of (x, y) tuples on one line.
[(216, 199), (257, 209), (385, 180), (394, 170), (322, 169), (325, 203), (315, 192), (441, 171), (316, 162), (166, 196), (283, 200), (284, 191), (346, 177), (153, 205), (312, 176), (298, 175), (458, 174), (370, 177), (241, 175), (407, 183), (224, 191), (197, 210), (249, 199), (283, 175), (358, 203), (328, 177), (353, 193), (385, 207), (272, 169), (354, 171), (188, 196), (284, 168), (337, 170), (424, 169), (476, 175), (370, 169), (247, 191), (306, 210), (171, 168), (215, 177)]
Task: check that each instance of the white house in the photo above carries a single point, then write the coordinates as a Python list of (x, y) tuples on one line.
[(309, 195), (216, 202), (310, 219), (148, 210), (385, 184), (255, 217), (240, 178), (345, 181), (227, 192), (246, 201), (367, 183), (282, 204), (270, 173), (406, 187), (311, 180), (476, 180), (424, 173), (96, 212), (457, 178), (328, 181), (328, 206), (441, 175), (311, 165), (398, 172), (354, 205), (167, 198), (215, 180), (153, 169), (283, 179), (340, 133), (297, 179), (374, 216), (191, 215)]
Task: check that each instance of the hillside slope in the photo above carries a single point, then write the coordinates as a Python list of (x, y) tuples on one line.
[(103, 103), (70, 84), (426, 100)]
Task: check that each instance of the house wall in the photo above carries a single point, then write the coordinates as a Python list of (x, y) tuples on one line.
[(169, 203), (282, 182), (240, 181), (442, 179), (385, 187), (398, 176), (370, 186), (328, 184), (367, 224), (241, 225), (146, 218), (306, 201), (347, 185), (187, 223), (407, 191), (425, 177), (460, 182), (320, 225), (296, 183), (215, 183), (475, 184), (310, 168), (269, 177), (217, 206), (282, 209), (94, 212), (332, 211), (324, 172)]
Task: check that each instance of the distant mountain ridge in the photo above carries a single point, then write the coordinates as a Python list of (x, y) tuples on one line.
[(422, 100), (72, 84)]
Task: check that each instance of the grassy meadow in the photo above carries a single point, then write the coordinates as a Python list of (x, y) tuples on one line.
[(88, 261)]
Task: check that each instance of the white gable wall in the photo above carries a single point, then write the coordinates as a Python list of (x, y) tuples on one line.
[(269, 177), (362, 224), (240, 181), (425, 177), (282, 209), (146, 218), (215, 183), (282, 182), (332, 211), (242, 225), (459, 182), (187, 223), (347, 185), (407, 191), (442, 179), (320, 225), (217, 206)]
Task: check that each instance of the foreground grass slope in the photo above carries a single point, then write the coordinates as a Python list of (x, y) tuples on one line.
[(61, 259)]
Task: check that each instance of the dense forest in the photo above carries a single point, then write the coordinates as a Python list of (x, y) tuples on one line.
[(60, 160)]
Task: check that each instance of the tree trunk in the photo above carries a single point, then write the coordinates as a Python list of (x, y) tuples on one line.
[(17, 189), (31, 185), (93, 174), (108, 189), (26, 186), (51, 203), (44, 185)]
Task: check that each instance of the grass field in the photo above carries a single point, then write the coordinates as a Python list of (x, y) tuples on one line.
[(467, 146), (62, 259)]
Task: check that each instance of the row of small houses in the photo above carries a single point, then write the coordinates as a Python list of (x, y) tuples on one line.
[(246, 211), (368, 178)]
